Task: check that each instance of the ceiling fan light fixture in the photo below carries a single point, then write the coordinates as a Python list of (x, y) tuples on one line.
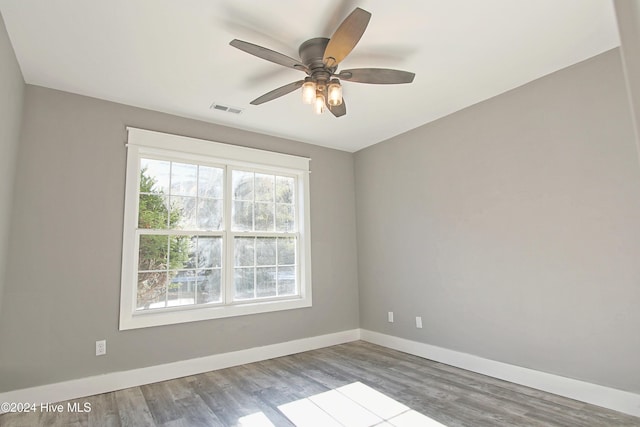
[(318, 104), (308, 91), (334, 95), (319, 59)]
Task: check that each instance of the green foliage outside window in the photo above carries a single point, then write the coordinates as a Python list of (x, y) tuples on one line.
[(159, 255)]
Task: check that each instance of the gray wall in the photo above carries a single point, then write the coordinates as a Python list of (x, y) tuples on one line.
[(63, 283), (513, 228), (11, 97)]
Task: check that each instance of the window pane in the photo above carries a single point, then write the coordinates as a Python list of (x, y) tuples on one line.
[(264, 187), (286, 281), (183, 213), (210, 182), (154, 176), (153, 212), (153, 252), (265, 251), (152, 290), (209, 214), (284, 189), (208, 282), (243, 251), (181, 288), (264, 216), (183, 179), (244, 282), (265, 282), (242, 216), (285, 220), (182, 252), (209, 252), (286, 251), (242, 183)]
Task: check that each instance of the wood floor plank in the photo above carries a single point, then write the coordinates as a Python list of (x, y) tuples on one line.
[(213, 392), (256, 393), (196, 413), (244, 388), (19, 419), (132, 408), (104, 411), (159, 399)]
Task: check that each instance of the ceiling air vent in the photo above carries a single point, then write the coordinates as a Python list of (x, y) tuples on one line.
[(226, 108)]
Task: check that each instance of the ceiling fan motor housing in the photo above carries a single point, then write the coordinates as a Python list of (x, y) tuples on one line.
[(312, 54)]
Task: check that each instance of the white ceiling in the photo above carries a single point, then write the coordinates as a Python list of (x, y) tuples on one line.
[(174, 56)]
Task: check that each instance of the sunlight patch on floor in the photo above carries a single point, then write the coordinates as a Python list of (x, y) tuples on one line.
[(353, 405), (255, 420)]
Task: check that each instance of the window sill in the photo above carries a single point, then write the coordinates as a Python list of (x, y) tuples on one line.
[(183, 315)]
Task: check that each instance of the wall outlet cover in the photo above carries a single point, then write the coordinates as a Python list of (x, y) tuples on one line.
[(101, 347)]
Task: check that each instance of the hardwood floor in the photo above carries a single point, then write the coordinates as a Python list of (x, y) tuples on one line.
[(321, 386)]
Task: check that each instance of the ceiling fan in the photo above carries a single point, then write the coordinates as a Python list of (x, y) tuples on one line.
[(320, 58)]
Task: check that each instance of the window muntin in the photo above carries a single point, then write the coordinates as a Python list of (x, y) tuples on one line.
[(212, 236)]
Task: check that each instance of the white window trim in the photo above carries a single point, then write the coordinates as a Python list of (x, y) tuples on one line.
[(144, 142)]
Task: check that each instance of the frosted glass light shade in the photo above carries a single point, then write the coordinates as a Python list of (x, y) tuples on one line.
[(318, 105), (334, 94), (308, 91)]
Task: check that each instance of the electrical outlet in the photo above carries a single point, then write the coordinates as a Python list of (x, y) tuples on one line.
[(101, 347), (419, 322), (390, 315)]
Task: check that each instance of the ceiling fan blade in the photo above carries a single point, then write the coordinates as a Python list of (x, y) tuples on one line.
[(269, 55), (277, 93), (381, 76), (338, 110), (345, 38)]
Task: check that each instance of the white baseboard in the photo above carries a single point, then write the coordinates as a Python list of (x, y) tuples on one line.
[(89, 386), (606, 397)]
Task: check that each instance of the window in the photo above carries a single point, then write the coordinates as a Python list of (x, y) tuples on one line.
[(211, 230)]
